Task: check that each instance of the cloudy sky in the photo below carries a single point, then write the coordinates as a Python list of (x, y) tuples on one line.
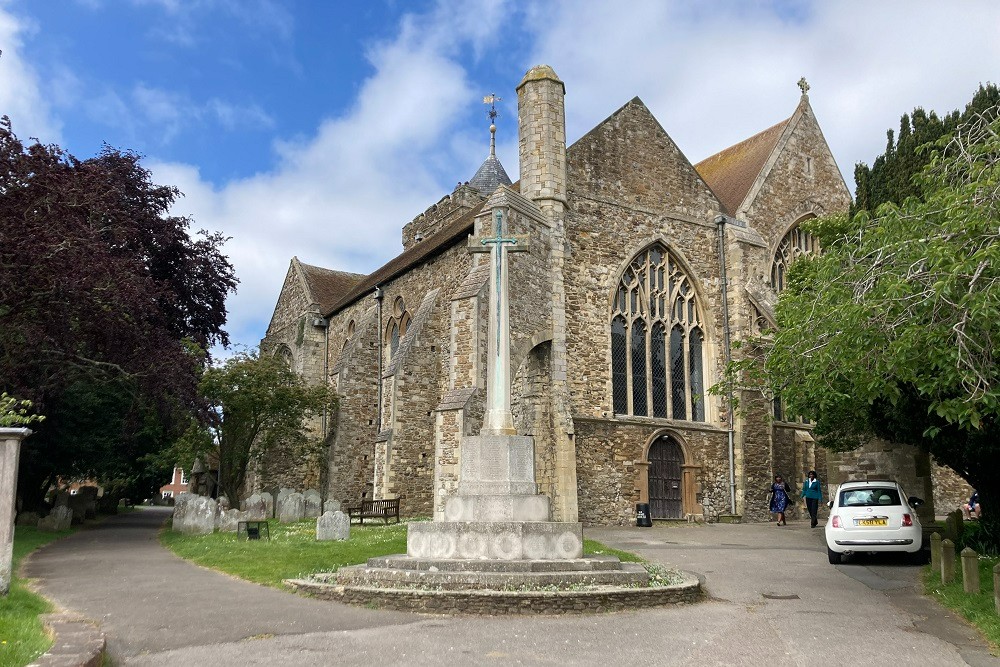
[(318, 129)]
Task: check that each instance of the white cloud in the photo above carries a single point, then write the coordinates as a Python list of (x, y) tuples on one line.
[(718, 73), (340, 197), (22, 93)]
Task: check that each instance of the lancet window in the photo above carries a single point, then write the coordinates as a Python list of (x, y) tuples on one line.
[(657, 341), (397, 325)]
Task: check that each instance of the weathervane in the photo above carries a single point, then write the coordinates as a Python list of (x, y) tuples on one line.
[(492, 100)]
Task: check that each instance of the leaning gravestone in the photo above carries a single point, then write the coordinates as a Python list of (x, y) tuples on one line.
[(268, 499), (255, 509), (331, 506), (291, 508), (60, 518), (200, 517), (333, 526), (229, 520), (314, 503)]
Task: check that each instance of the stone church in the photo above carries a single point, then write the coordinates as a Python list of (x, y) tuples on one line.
[(642, 273)]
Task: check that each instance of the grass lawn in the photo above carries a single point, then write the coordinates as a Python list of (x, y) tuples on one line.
[(977, 609), (22, 637), (293, 551)]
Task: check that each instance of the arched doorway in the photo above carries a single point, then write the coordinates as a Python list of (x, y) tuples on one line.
[(666, 472)]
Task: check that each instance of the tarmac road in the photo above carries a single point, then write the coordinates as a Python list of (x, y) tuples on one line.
[(773, 600)]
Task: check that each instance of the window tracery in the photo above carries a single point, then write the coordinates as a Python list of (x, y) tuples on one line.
[(657, 341)]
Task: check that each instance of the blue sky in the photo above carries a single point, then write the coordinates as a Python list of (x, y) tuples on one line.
[(319, 128)]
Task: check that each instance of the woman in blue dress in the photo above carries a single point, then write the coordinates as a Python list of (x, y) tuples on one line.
[(779, 498)]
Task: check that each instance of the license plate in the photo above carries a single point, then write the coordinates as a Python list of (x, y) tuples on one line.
[(875, 521)]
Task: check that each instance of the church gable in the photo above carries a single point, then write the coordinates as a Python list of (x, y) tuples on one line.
[(630, 158), (800, 179)]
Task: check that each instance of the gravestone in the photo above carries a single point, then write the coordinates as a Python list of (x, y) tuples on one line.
[(291, 507), (282, 494), (268, 499), (255, 508), (62, 498), (28, 519), (314, 503), (60, 518), (78, 504), (180, 509), (88, 496), (331, 506), (229, 520), (199, 519), (333, 526)]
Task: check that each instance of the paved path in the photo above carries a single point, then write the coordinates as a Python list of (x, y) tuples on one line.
[(775, 600)]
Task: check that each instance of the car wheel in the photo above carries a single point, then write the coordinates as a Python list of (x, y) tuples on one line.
[(834, 557)]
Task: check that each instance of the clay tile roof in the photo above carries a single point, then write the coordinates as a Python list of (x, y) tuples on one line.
[(327, 286), (732, 172)]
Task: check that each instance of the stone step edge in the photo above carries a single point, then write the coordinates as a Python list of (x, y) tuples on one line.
[(487, 602), (75, 641), (596, 563), (364, 575)]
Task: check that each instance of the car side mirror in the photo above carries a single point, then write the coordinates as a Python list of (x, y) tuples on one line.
[(914, 501), (829, 504)]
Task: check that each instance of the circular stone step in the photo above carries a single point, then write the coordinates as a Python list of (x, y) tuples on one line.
[(629, 575)]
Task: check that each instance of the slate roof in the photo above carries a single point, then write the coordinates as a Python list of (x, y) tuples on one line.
[(490, 176), (327, 286), (732, 172)]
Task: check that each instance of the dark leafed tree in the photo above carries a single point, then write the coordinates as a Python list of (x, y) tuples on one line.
[(891, 176), (107, 304)]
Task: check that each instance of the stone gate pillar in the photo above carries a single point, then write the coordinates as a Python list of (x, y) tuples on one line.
[(10, 451)]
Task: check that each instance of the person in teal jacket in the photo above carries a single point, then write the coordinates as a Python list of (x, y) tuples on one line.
[(812, 491)]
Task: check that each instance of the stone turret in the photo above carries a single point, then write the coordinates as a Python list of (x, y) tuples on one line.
[(541, 115)]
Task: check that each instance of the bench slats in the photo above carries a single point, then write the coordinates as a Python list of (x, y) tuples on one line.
[(375, 509)]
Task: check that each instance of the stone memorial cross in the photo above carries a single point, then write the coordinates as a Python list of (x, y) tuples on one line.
[(498, 419)]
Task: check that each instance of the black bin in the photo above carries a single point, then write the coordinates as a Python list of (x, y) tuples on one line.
[(642, 519)]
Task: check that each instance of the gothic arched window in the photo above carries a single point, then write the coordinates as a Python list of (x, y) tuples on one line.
[(657, 342), (397, 326), (797, 242)]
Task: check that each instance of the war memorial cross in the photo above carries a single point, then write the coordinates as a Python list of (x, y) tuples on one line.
[(498, 419)]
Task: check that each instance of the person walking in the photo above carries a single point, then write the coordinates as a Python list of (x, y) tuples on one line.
[(812, 491), (779, 498)]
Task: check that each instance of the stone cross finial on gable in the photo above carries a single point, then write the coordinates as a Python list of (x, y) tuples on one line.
[(803, 85)]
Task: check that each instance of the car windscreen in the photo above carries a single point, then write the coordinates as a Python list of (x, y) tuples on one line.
[(869, 497)]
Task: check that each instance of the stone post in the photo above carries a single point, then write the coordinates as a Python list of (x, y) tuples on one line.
[(947, 561), (996, 587), (10, 452), (936, 552), (970, 571)]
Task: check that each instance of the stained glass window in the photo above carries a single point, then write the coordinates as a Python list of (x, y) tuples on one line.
[(657, 344)]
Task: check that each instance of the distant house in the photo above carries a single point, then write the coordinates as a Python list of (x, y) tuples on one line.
[(178, 484)]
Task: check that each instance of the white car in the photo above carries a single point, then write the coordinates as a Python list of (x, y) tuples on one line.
[(870, 516)]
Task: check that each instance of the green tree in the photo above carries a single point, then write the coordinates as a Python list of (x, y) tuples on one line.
[(257, 403), (892, 331)]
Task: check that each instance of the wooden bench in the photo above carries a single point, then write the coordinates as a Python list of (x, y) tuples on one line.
[(375, 509)]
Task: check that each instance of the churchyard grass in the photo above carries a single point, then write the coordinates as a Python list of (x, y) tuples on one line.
[(22, 636), (977, 609), (293, 551)]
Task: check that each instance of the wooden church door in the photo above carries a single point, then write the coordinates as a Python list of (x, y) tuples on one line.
[(665, 461)]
